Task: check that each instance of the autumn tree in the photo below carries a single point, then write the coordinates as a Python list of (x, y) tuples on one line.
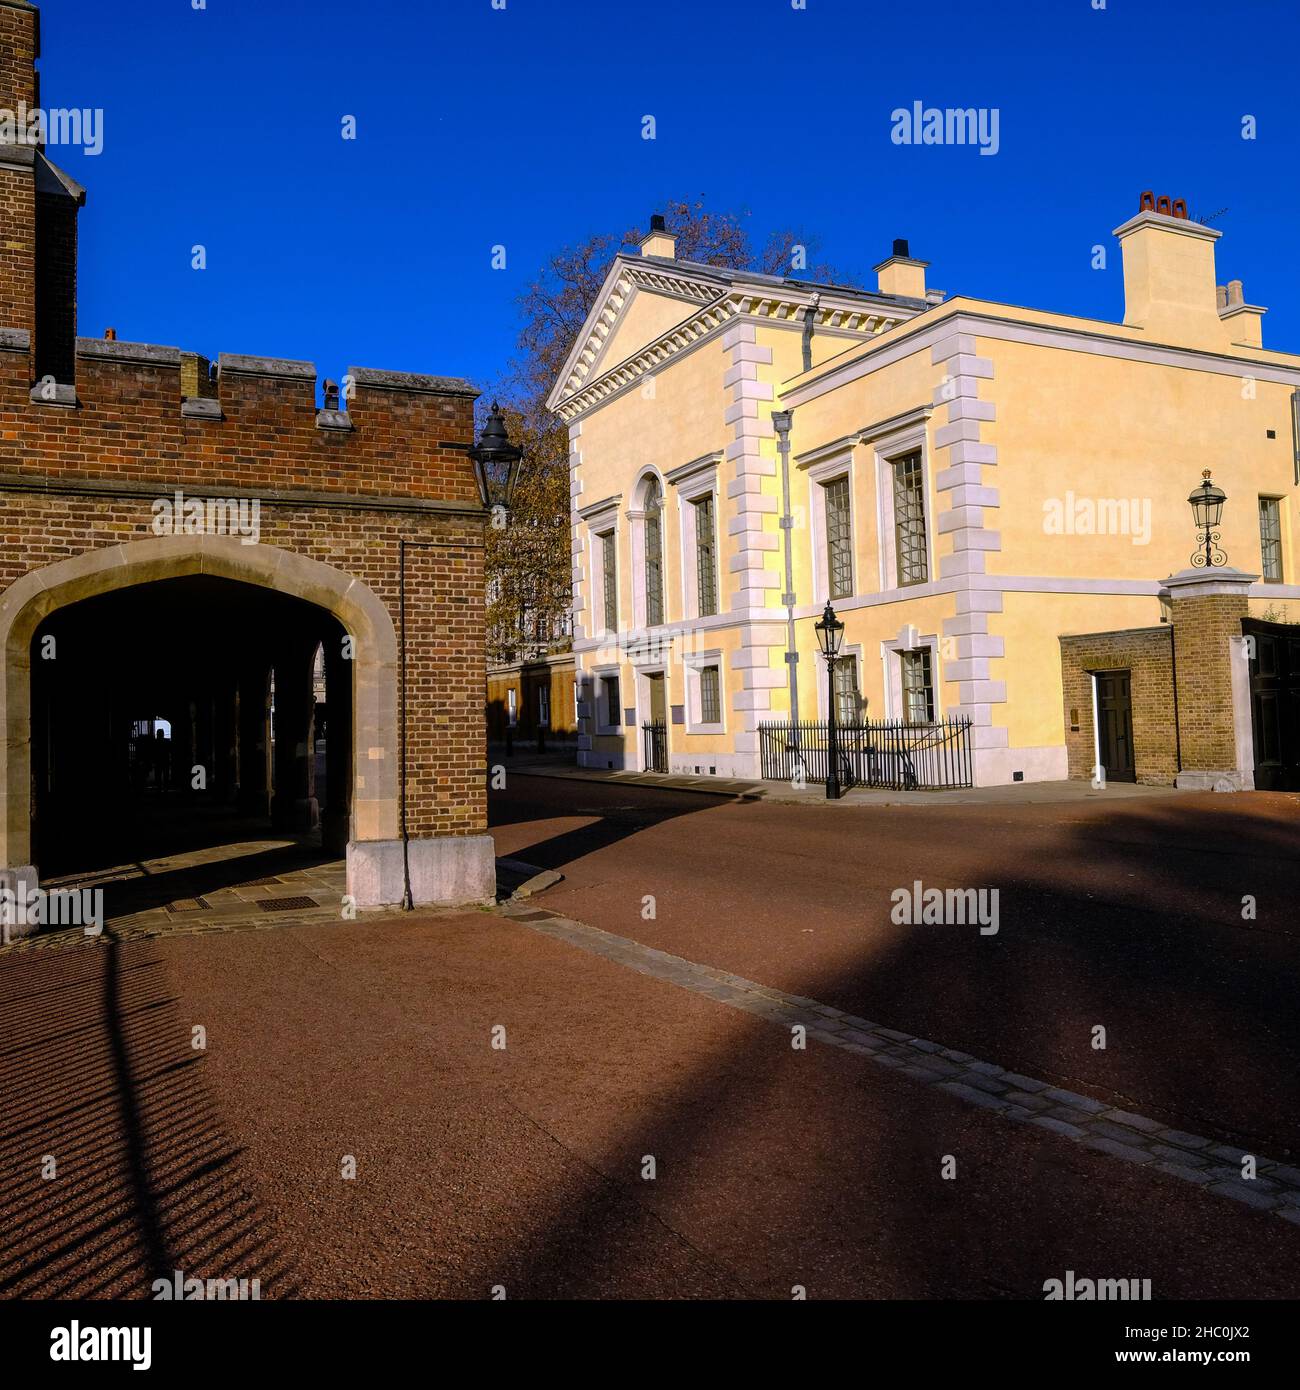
[(529, 562)]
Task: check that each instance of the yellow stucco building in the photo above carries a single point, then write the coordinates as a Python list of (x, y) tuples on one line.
[(967, 482)]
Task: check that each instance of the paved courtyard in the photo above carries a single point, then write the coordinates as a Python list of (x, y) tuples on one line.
[(643, 1126)]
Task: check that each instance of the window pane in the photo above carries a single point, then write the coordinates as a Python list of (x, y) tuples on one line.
[(909, 520), (609, 581), (839, 544), (1270, 537), (611, 700), (848, 703), (707, 584), (710, 696), (918, 692), (654, 559)]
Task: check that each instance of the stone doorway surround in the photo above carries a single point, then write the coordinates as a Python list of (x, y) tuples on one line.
[(375, 825)]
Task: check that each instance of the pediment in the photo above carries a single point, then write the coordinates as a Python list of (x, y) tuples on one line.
[(638, 304)]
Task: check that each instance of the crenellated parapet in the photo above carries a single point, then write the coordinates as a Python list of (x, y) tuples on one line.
[(150, 413)]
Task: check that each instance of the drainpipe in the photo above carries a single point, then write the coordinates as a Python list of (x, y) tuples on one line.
[(809, 318), (407, 903), (781, 420)]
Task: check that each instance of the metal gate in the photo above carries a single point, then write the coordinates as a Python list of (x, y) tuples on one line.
[(1275, 702), (654, 735)]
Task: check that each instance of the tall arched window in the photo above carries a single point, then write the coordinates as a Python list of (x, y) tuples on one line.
[(654, 553)]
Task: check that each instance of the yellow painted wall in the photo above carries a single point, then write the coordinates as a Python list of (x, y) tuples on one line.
[(1105, 428)]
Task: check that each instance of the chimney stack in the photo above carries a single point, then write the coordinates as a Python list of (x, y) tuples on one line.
[(1171, 290), (659, 241), (901, 274)]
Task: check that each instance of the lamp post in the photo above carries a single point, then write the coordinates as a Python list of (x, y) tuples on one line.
[(496, 469), (1207, 507), (830, 633)]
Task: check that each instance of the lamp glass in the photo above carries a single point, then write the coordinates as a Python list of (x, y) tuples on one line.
[(830, 633)]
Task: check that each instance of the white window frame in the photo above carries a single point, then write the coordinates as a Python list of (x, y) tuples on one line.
[(692, 664), (636, 516), (512, 706), (887, 450), (690, 491), (1280, 504), (848, 651), (605, 531), (600, 523), (599, 675), (819, 474), (909, 640), (544, 706)]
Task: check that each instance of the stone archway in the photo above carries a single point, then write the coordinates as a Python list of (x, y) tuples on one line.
[(375, 790)]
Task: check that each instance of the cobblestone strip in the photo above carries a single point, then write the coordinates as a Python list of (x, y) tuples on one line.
[(196, 924), (1023, 1099)]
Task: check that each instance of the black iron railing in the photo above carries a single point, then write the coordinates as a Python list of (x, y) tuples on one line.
[(654, 736), (901, 757)]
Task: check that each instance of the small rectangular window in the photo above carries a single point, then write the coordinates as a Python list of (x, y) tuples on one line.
[(512, 705), (611, 701), (705, 568), (609, 581), (918, 687), (710, 696), (909, 520), (839, 540), (544, 705), (1270, 537)]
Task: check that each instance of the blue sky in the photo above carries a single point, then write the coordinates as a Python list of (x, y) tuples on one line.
[(522, 127)]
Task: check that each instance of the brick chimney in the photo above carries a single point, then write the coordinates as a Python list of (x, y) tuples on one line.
[(900, 274), (1171, 290)]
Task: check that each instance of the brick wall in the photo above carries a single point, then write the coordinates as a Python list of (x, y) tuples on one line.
[(444, 603), (1147, 654), (1203, 627), (80, 472), (18, 49), (406, 439), (556, 672)]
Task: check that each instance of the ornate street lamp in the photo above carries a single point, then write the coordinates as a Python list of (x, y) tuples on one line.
[(496, 463), (1207, 507), (830, 633)]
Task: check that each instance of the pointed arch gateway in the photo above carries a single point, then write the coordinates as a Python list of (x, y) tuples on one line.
[(374, 806)]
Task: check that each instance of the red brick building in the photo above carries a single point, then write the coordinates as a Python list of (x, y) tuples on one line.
[(179, 543)]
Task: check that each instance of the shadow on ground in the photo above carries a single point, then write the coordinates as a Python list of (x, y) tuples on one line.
[(117, 1169)]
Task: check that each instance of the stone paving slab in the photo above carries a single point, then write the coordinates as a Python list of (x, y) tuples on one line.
[(1121, 1134)]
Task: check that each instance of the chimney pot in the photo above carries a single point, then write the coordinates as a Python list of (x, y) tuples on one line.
[(1236, 292), (900, 246), (657, 222), (110, 335)]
